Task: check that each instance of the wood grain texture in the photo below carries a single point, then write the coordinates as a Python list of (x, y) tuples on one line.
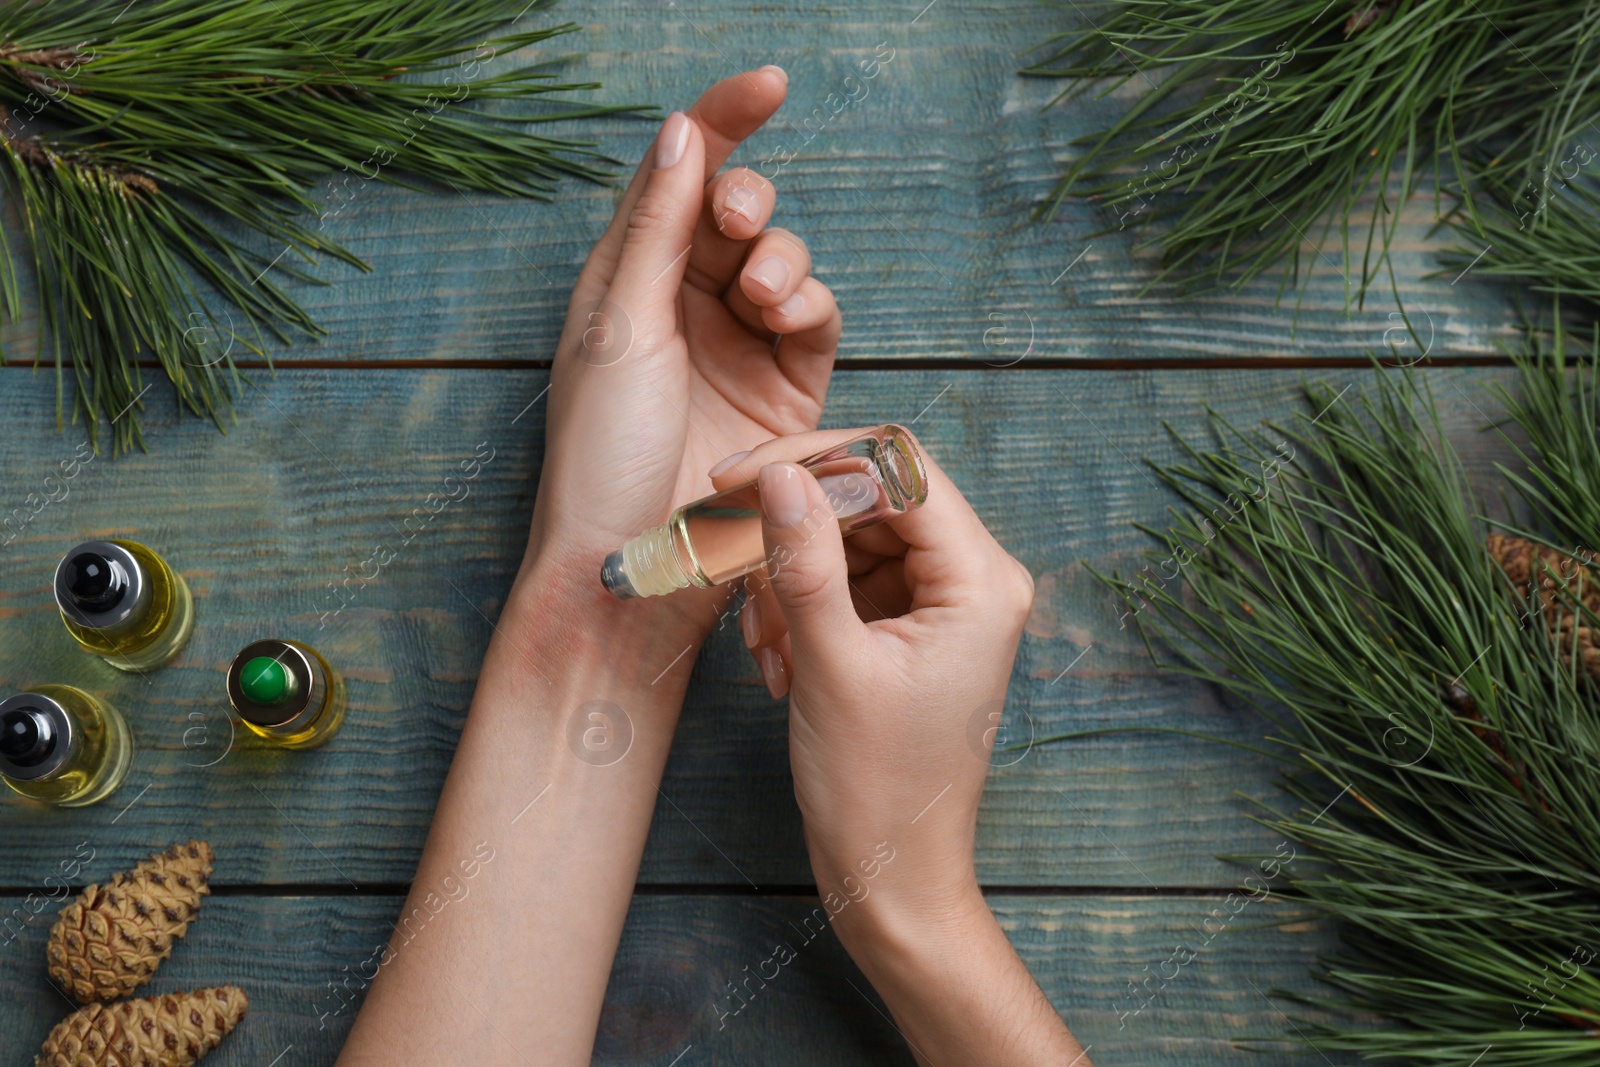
[(915, 199), (301, 960), (324, 464), (914, 195)]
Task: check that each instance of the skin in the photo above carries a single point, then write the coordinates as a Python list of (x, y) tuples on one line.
[(685, 346)]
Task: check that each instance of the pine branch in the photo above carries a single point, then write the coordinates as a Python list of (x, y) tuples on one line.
[(1263, 124), (1539, 229), (1559, 411), (132, 134), (1441, 726)]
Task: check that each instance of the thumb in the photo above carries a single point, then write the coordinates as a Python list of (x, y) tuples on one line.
[(805, 563), (660, 229)]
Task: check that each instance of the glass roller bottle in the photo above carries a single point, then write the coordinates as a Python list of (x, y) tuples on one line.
[(121, 601), (62, 746), (285, 692), (713, 540)]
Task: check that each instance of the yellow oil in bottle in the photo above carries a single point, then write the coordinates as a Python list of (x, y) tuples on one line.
[(286, 693), (146, 625), (63, 746)]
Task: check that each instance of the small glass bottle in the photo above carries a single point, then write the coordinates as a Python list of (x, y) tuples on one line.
[(713, 540), (287, 693), (63, 746), (123, 603)]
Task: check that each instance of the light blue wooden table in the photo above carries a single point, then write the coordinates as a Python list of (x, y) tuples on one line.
[(1024, 356)]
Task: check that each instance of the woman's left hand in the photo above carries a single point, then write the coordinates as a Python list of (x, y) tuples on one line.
[(694, 333), (676, 354)]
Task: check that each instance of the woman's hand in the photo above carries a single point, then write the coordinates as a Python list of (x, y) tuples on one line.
[(676, 352), (693, 333), (895, 648), (891, 645)]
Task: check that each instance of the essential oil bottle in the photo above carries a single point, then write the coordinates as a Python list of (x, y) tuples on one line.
[(287, 693), (62, 746), (123, 603), (867, 480)]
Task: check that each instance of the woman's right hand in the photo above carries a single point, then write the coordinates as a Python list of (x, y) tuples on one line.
[(895, 647)]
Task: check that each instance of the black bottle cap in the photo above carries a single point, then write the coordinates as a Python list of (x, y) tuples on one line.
[(94, 582), (102, 584), (27, 736)]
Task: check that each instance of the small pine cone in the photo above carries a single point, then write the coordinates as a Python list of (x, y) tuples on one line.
[(109, 941), (1526, 563), (171, 1030)]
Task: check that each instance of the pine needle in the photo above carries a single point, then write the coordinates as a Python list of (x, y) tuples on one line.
[(1261, 125), (167, 158), (1333, 573), (1542, 232)]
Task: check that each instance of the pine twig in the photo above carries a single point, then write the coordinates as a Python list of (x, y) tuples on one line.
[(1439, 714), (1263, 125), (140, 142)]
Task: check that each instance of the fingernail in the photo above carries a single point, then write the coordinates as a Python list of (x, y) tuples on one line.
[(724, 464), (672, 140), (771, 272), (742, 201), (783, 498), (750, 621), (780, 71), (773, 674), (793, 306)]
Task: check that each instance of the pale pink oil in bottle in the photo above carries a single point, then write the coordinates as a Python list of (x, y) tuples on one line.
[(867, 479)]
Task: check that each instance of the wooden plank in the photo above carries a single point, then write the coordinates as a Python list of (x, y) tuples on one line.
[(668, 991), (916, 194), (324, 464)]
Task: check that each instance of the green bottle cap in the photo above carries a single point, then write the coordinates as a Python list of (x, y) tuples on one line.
[(264, 680)]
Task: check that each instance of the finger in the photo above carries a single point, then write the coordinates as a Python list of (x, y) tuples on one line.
[(951, 557), (660, 226), (877, 589), (805, 565), (776, 264), (816, 309), (776, 663), (873, 545), (741, 468), (766, 634), (813, 319), (761, 622), (945, 522), (877, 585), (953, 554), (738, 205), (726, 114), (810, 307), (882, 592), (808, 337), (736, 107)]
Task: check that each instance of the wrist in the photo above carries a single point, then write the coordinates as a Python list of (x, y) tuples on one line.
[(898, 917), (907, 944), (955, 985), (559, 614)]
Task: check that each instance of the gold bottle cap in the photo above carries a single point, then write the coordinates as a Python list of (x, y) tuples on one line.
[(276, 684)]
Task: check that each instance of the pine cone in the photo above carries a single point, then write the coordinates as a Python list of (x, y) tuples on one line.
[(1525, 563), (172, 1030), (109, 941)]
